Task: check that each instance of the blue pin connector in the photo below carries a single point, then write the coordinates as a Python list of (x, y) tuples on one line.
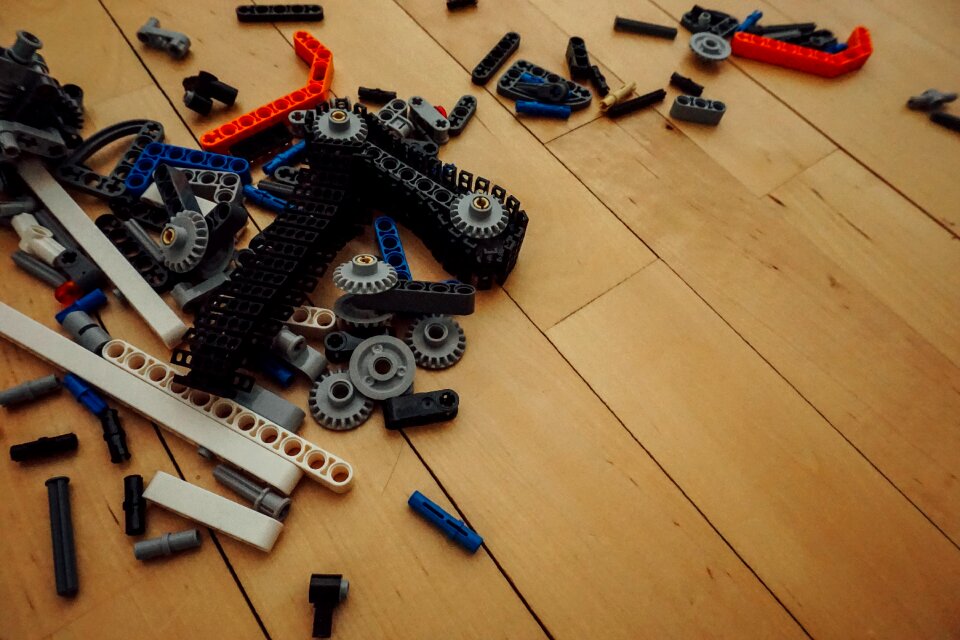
[(529, 77), (263, 198), (836, 47), (455, 529), (88, 303), (540, 109), (276, 369), (391, 250), (85, 394), (287, 157), (750, 20)]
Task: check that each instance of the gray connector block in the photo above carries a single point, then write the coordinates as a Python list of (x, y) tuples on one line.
[(37, 268), (263, 498), (272, 407), (167, 544), (189, 296), (430, 121), (294, 350), (287, 344), (394, 118), (29, 391), (85, 331), (173, 42), (699, 110), (16, 138)]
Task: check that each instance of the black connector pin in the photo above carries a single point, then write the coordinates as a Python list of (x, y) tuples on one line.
[(644, 28), (637, 103), (134, 506), (44, 447), (376, 96), (686, 85), (61, 533), (114, 436)]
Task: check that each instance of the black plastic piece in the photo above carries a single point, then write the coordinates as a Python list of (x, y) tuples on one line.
[(156, 274), (417, 296), (279, 13), (686, 85), (460, 4), (578, 96), (599, 81), (262, 143), (698, 20), (763, 30), (578, 58), (635, 104), (644, 28), (461, 113), (79, 268), (134, 506), (207, 85), (114, 436), (418, 409), (61, 533), (196, 102), (946, 120), (376, 96), (44, 447), (340, 345), (280, 189), (549, 92), (326, 592), (497, 57)]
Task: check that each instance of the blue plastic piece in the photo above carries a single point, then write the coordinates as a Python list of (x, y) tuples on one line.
[(88, 303), (264, 199), (288, 157), (277, 369), (141, 175), (750, 20), (455, 529), (529, 107), (836, 47), (85, 394), (529, 77), (391, 249)]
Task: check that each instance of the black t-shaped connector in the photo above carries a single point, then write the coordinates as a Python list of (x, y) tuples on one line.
[(327, 590)]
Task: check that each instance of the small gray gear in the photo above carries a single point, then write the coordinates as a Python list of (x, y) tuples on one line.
[(340, 125), (351, 316), (336, 404), (437, 341), (365, 274), (184, 240), (710, 47), (382, 367), (478, 215)]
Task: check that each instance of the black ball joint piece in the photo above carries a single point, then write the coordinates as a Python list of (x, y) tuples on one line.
[(203, 88), (327, 590)]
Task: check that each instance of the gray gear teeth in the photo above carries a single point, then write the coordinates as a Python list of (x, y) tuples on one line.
[(353, 317), (382, 367), (340, 125), (437, 341), (184, 241), (336, 404), (364, 274), (478, 215)]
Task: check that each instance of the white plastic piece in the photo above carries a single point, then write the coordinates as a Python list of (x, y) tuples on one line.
[(148, 401), (151, 307), (152, 195), (311, 322), (35, 238), (216, 512), (320, 465)]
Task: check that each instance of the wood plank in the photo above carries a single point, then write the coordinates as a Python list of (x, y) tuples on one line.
[(840, 547), (872, 376)]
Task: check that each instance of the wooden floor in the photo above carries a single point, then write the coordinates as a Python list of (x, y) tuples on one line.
[(719, 396)]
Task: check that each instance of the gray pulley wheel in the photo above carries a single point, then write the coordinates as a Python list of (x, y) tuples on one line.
[(364, 274), (710, 47), (339, 124), (478, 215), (352, 317), (437, 341), (336, 404), (382, 367), (184, 240)]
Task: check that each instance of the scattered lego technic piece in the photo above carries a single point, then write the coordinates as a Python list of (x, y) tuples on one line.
[(272, 407), (700, 20), (190, 297), (263, 498), (312, 322), (264, 199), (167, 544), (325, 593), (85, 331), (578, 96), (947, 120), (173, 42), (37, 268), (461, 113), (156, 154), (527, 107), (540, 91), (212, 510), (90, 303), (437, 341), (209, 86), (196, 102), (496, 58), (114, 436), (750, 21), (930, 99), (699, 110), (599, 81), (578, 58), (279, 13), (281, 190), (36, 239), (23, 204), (391, 249), (454, 529), (364, 274), (431, 122), (375, 96), (419, 297), (792, 56), (287, 157), (709, 47), (418, 409), (29, 391), (635, 104), (16, 138), (382, 367), (336, 404), (340, 345), (617, 95), (61, 534), (393, 117), (134, 506), (688, 86), (84, 394), (644, 28), (45, 447), (763, 30), (137, 251), (360, 321), (460, 4), (296, 353)]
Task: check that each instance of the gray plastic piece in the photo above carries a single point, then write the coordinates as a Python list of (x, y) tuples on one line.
[(173, 42), (364, 274), (272, 407), (710, 47), (25, 47), (430, 121), (37, 268), (23, 204), (85, 331), (578, 96), (393, 115), (262, 497), (382, 367), (336, 404), (351, 316), (167, 544), (478, 215), (29, 391), (140, 235), (184, 241), (461, 113), (294, 350), (287, 344), (437, 342), (16, 137), (337, 124), (425, 147), (930, 99), (700, 110), (189, 296)]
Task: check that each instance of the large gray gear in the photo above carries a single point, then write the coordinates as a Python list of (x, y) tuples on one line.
[(365, 274), (350, 316), (382, 367), (710, 47), (184, 240), (339, 124), (336, 404), (478, 215), (437, 341)]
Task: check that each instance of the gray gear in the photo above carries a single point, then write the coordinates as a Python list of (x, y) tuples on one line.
[(478, 215), (365, 274), (382, 367), (336, 404), (437, 341), (710, 47), (351, 316), (184, 240), (339, 124)]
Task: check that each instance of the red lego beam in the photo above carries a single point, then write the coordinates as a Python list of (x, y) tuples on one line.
[(783, 54)]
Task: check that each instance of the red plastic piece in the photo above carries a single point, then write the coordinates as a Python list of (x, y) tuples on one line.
[(442, 111), (68, 293), (783, 54), (308, 49)]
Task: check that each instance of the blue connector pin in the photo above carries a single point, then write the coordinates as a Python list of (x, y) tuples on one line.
[(540, 109), (455, 529), (263, 198), (750, 20), (85, 394), (88, 303), (287, 157)]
